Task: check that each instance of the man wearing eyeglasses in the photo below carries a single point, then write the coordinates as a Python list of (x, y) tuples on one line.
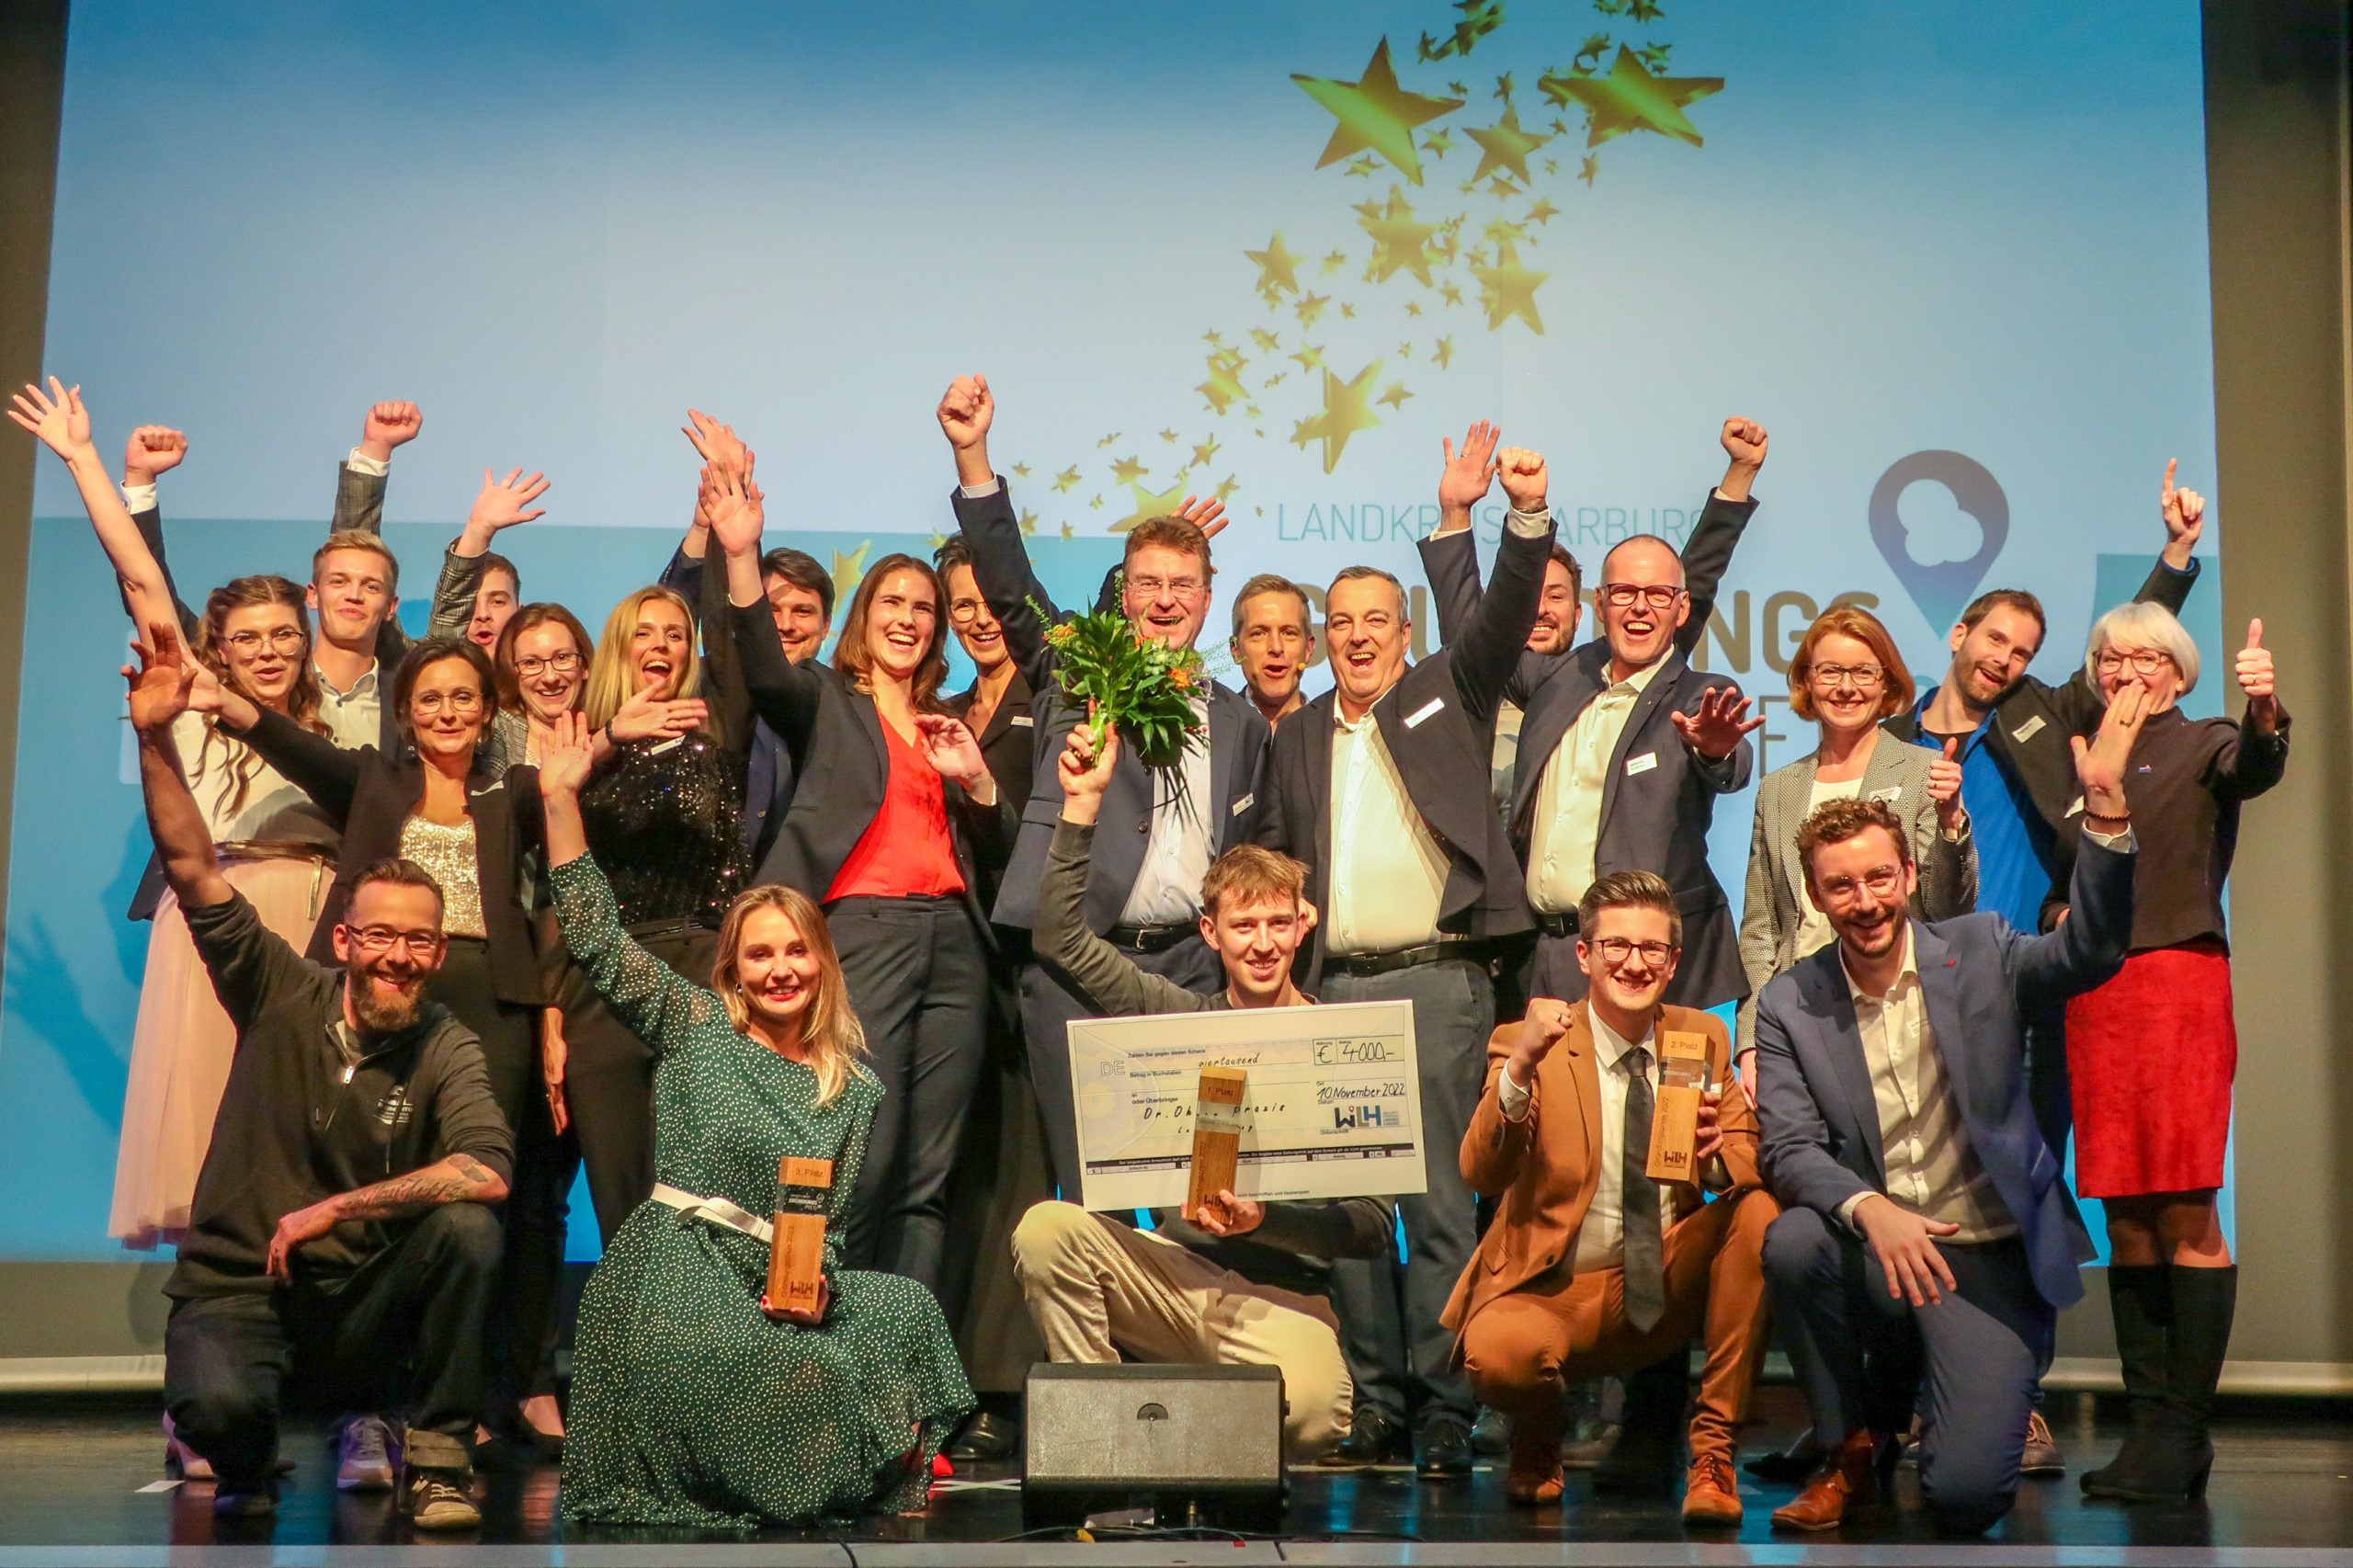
[(1592, 1267), (340, 1235), (1158, 831)]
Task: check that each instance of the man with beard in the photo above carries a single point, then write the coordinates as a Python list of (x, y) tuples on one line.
[(1272, 639), (1161, 828), (1926, 1223), (2020, 790), (339, 1235)]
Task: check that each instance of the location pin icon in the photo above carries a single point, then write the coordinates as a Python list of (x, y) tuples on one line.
[(1943, 589)]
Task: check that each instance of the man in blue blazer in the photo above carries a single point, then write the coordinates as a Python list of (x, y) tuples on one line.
[(1926, 1224), (1156, 835)]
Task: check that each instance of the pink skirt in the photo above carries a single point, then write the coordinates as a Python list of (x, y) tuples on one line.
[(180, 1055), (2150, 1059)]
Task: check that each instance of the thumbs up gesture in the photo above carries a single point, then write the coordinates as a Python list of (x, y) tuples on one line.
[(1944, 788), (2255, 679)]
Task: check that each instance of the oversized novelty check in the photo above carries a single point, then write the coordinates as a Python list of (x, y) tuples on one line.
[(1333, 1106)]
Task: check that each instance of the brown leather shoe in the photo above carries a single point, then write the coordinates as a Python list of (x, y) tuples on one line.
[(1531, 1489), (1847, 1476), (1710, 1494)]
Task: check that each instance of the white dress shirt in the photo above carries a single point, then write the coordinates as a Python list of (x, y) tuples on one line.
[(1601, 1239), (1931, 1170), (1566, 833), (1388, 870)]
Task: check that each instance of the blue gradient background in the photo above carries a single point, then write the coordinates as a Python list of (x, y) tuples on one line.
[(1974, 226)]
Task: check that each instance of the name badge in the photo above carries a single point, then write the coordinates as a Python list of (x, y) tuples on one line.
[(2028, 730), (1423, 712), (673, 744), (1892, 794), (1641, 764), (2077, 808), (1245, 803), (488, 790), (1024, 720)]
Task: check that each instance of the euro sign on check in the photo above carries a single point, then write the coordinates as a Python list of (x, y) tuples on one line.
[(1333, 1106)]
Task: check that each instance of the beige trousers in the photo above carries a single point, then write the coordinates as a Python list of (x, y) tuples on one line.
[(1096, 1289)]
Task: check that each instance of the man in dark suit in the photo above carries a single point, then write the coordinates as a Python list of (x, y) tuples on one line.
[(1926, 1220), (1380, 786), (1624, 747), (1158, 834)]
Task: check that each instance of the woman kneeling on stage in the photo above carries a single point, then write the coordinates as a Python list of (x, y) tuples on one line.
[(695, 1401)]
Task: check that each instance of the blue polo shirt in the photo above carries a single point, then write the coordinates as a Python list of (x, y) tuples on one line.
[(2014, 845)]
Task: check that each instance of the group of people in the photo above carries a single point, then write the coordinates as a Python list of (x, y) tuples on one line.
[(438, 924)]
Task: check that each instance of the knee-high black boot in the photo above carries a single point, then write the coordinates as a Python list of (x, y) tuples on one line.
[(2199, 1338), (2140, 1302)]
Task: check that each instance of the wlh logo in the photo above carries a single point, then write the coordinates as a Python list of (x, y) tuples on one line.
[(1350, 1115)]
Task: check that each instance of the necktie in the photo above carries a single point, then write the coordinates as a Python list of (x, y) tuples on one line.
[(1638, 1201)]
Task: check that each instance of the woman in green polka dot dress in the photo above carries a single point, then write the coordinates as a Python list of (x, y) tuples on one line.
[(693, 1402)]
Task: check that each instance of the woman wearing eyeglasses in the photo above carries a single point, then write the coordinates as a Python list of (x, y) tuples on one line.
[(2151, 1053), (1846, 677)]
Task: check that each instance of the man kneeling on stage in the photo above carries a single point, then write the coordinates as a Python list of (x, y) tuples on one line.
[(1246, 1284), (1591, 1268), (339, 1228)]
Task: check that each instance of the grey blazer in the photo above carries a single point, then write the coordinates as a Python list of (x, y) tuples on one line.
[(1776, 903)]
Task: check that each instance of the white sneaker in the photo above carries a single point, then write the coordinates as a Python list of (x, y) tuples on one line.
[(365, 1459)]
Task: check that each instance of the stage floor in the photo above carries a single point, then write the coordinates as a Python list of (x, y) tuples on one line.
[(71, 1476)]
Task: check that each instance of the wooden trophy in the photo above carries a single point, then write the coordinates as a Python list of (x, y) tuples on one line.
[(797, 1250), (1216, 1136), (1674, 1119)]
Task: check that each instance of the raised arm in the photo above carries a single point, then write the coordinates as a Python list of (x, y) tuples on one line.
[(2077, 699), (2089, 946), (159, 695), (152, 451), (985, 514), (61, 423), (326, 772), (1496, 636), (2258, 757), (644, 993), (785, 694), (1503, 1132), (500, 506), (1059, 935), (1707, 553), (722, 451), (360, 481)]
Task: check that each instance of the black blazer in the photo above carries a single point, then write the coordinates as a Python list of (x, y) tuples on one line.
[(2032, 721), (843, 767), (1238, 739), (1005, 743), (1656, 819), (371, 797), (1439, 723), (359, 503)]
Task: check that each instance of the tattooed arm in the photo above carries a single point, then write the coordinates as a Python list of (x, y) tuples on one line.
[(460, 1178)]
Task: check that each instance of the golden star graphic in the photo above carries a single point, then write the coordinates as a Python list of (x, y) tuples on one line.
[(1107, 440), (1096, 502), (1502, 229), (1502, 188), (1503, 87), (1226, 487), (1374, 112), (1398, 242), (1543, 211), (1029, 521), (1170, 437), (937, 541), (1508, 289), (1311, 306), (1069, 532), (1438, 143), (1020, 471), (1630, 99), (1337, 260), (1405, 350), (1278, 268), (1127, 471), (1347, 311), (1453, 295), (1309, 356), (1458, 89), (1275, 380), (1442, 352), (1252, 412), (1395, 394), (1223, 386), (1148, 506), (1065, 478), (847, 569), (1413, 307), (1267, 341), (1361, 167), (1214, 338), (1204, 452), (1347, 410), (1587, 170)]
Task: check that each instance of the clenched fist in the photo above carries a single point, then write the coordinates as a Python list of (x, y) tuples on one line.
[(1524, 478), (152, 449)]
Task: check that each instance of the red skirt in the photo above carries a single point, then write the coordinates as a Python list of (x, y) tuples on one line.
[(2150, 1058)]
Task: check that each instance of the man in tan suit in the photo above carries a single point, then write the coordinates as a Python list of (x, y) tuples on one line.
[(1590, 1266)]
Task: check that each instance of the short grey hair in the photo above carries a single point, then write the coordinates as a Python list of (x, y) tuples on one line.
[(2143, 625)]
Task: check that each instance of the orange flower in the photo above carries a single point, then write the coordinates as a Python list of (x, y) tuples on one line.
[(1183, 679)]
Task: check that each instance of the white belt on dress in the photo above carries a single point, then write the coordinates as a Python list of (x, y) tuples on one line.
[(716, 1211)]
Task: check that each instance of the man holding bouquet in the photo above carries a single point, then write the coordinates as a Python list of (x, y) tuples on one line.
[(1159, 827)]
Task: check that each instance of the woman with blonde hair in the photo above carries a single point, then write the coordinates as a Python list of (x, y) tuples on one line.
[(2151, 1053), (696, 1400), (1846, 677)]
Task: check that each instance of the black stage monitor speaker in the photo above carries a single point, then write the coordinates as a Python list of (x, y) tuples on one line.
[(1196, 1445)]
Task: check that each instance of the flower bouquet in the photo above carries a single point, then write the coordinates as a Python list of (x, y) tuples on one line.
[(1142, 689)]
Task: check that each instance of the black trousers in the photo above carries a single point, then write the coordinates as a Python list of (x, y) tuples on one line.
[(404, 1334), (1048, 1006), (1398, 1352), (918, 971), (1974, 1359)]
